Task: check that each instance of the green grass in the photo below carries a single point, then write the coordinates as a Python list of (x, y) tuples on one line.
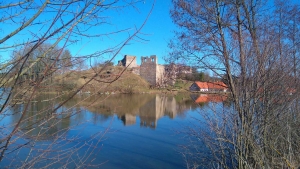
[(182, 84)]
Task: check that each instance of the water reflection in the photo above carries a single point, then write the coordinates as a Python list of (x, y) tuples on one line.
[(149, 108), (83, 118), (206, 98), (40, 122), (128, 119)]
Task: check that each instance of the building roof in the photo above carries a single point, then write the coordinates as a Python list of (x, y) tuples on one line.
[(211, 85), (216, 85), (202, 85)]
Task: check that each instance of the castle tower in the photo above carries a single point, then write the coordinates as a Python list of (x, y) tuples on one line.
[(128, 61), (150, 70)]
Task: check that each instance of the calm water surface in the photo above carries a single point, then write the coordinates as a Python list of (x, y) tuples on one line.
[(120, 131)]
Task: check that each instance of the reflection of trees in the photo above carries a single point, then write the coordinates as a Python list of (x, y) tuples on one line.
[(39, 112), (118, 104), (41, 132), (100, 118)]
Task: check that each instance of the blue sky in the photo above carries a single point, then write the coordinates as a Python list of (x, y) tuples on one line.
[(155, 34), (159, 28)]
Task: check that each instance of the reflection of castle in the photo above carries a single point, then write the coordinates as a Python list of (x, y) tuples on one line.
[(153, 110), (146, 108), (128, 119), (157, 108)]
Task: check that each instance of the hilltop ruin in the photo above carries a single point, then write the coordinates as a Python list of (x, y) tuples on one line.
[(156, 74)]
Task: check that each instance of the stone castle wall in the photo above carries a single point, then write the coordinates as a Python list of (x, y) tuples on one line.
[(160, 72), (149, 69), (128, 61)]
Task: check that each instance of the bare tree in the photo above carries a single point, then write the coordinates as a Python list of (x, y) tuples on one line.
[(253, 44), (38, 34)]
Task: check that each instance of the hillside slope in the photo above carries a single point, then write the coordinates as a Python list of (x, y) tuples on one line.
[(111, 79)]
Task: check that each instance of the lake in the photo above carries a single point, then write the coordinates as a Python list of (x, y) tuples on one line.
[(116, 131)]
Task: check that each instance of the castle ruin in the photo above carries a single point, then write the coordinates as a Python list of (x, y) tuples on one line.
[(151, 71), (128, 61), (155, 74)]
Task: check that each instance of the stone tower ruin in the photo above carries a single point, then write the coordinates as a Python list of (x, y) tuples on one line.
[(128, 61), (151, 71)]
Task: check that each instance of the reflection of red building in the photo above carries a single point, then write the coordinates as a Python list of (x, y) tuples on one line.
[(203, 98)]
